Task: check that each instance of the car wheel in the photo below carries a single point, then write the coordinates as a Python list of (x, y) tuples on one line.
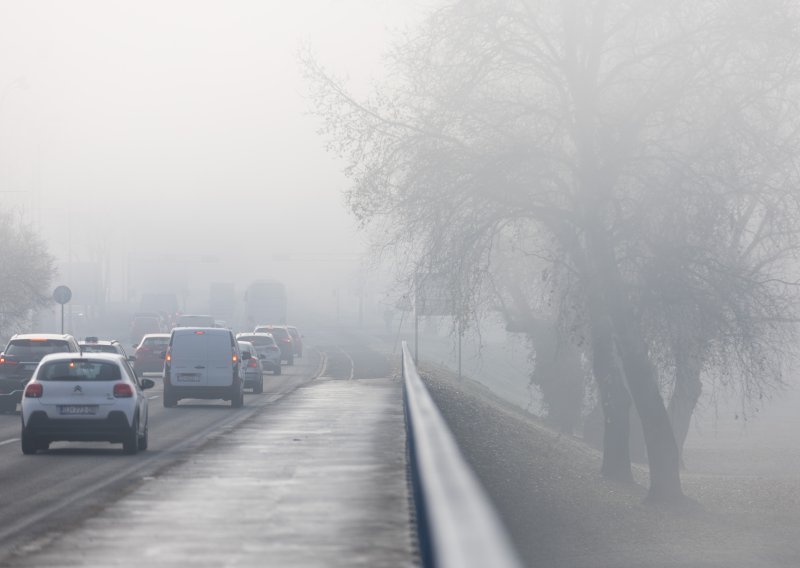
[(237, 400), (130, 443), (170, 400), (143, 440), (258, 388), (29, 446), (42, 445)]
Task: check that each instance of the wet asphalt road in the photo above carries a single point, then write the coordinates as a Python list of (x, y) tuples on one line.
[(46, 495)]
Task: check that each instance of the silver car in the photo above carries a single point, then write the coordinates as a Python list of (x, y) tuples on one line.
[(253, 373), (268, 351)]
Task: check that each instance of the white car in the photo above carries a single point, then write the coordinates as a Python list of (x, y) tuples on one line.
[(88, 397)]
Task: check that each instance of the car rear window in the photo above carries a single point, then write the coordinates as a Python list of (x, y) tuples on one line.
[(33, 350), (258, 340), (79, 370), (151, 341), (94, 348), (278, 332)]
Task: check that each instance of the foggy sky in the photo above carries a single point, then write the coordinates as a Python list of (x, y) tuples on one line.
[(140, 124)]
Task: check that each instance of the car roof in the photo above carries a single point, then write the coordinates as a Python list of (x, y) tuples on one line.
[(146, 335), (99, 342), (252, 333), (115, 357), (65, 337), (206, 329)]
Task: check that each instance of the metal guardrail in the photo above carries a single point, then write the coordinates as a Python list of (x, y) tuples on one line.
[(456, 524)]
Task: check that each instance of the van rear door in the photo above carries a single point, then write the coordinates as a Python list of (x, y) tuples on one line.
[(189, 365), (221, 351)]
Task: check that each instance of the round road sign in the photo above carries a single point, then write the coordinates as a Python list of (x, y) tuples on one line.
[(62, 294)]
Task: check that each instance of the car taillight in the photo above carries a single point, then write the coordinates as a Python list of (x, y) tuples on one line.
[(4, 361), (123, 390), (168, 358), (286, 340), (34, 390), (252, 363)]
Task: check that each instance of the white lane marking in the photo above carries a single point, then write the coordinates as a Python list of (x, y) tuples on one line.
[(352, 365), (155, 396), (11, 441)]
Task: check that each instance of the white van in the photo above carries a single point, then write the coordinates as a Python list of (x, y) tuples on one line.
[(203, 362)]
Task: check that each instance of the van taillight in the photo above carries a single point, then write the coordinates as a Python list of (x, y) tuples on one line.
[(123, 390), (235, 358), (34, 390)]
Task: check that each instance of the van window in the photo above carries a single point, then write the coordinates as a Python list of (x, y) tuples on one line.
[(189, 346), (219, 343)]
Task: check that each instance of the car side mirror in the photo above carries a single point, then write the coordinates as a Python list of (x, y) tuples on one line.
[(148, 383), (131, 358)]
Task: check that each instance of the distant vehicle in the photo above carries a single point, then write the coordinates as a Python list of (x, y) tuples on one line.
[(221, 323), (96, 345), (222, 300), (20, 358), (85, 398), (282, 338), (297, 340), (163, 304), (192, 320), (254, 373), (149, 355), (142, 325), (266, 348), (203, 362), (265, 300)]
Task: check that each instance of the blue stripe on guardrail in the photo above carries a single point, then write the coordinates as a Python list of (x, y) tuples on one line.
[(456, 524)]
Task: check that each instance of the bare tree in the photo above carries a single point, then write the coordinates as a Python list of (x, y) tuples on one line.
[(598, 123), (26, 275)]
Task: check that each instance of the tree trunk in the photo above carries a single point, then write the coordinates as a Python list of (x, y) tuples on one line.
[(688, 388), (614, 397), (662, 451)]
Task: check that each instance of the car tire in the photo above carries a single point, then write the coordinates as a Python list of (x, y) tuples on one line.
[(143, 440), (237, 400), (28, 443), (258, 388), (130, 442), (43, 445), (170, 400)]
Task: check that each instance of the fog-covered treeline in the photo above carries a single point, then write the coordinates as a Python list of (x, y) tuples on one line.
[(625, 172), (26, 274)]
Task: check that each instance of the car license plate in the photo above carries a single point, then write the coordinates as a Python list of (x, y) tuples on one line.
[(189, 378), (78, 409)]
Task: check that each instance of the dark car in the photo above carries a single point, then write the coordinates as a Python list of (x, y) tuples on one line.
[(282, 338), (20, 359), (297, 340), (142, 325), (149, 355)]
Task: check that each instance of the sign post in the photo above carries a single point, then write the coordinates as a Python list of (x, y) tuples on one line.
[(62, 295)]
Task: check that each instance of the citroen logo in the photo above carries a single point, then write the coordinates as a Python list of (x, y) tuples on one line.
[(77, 389)]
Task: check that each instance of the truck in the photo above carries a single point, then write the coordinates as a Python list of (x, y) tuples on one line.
[(265, 303)]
